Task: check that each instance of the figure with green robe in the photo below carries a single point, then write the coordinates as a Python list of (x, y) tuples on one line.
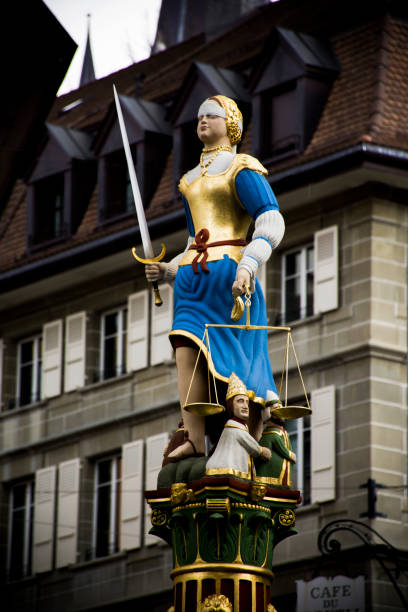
[(276, 471)]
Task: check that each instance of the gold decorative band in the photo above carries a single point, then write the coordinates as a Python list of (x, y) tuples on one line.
[(240, 571), (251, 506)]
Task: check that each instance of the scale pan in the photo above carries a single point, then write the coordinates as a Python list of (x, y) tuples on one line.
[(203, 408), (290, 412)]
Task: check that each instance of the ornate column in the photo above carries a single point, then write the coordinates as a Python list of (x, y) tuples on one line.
[(223, 531)]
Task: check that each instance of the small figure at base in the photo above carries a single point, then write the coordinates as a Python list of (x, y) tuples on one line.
[(277, 470), (236, 447)]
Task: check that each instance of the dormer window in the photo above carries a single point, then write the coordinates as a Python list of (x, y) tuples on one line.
[(290, 87), (150, 143), (202, 81), (59, 187)]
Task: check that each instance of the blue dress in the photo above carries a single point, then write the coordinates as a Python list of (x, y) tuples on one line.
[(201, 298)]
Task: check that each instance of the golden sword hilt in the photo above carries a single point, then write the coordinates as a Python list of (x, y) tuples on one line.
[(157, 298)]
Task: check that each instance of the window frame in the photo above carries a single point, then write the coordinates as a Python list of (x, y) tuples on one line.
[(115, 482), (302, 467), (35, 394), (121, 345), (27, 549), (116, 159), (303, 275)]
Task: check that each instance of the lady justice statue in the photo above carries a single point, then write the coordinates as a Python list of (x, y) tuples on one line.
[(221, 195)]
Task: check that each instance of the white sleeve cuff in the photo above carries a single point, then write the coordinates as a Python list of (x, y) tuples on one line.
[(172, 265)]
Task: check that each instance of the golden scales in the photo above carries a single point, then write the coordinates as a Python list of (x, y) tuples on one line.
[(280, 410)]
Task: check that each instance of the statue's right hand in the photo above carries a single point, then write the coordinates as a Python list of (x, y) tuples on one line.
[(155, 271)]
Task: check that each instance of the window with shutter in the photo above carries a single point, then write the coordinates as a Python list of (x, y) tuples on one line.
[(297, 284), (155, 446), (52, 359), (326, 270), (29, 370), (299, 433), (107, 506), (67, 514), (113, 343), (20, 530), (137, 337), (323, 482), (132, 495), (44, 516), (162, 319), (75, 346)]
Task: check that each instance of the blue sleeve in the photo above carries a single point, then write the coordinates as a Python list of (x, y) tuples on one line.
[(190, 224), (255, 193)]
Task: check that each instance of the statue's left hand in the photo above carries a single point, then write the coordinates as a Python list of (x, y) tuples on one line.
[(241, 281), (265, 453)]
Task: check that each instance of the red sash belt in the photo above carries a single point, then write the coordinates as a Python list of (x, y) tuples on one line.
[(201, 245)]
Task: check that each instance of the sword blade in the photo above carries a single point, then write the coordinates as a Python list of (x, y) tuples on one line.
[(137, 198)]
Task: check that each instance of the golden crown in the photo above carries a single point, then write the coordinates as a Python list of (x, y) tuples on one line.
[(235, 387)]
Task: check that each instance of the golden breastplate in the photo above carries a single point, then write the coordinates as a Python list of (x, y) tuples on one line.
[(214, 206)]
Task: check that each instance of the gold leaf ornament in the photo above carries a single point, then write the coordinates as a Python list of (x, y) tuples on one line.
[(216, 603)]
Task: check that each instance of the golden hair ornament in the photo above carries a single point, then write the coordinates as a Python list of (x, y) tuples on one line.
[(233, 118)]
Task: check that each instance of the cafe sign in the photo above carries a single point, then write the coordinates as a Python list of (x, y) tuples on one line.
[(338, 594)]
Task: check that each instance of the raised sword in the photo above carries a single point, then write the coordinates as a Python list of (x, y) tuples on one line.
[(137, 198)]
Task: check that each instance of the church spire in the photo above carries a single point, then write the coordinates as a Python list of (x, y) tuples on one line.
[(88, 71)]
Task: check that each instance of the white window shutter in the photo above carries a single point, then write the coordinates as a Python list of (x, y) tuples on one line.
[(326, 292), (155, 446), (323, 443), (44, 515), (261, 276), (162, 320), (67, 516), (132, 494), (75, 345), (137, 336), (51, 359)]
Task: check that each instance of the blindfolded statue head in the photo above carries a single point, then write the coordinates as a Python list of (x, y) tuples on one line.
[(219, 121)]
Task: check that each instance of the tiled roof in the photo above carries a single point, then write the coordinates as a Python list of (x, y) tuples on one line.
[(367, 103)]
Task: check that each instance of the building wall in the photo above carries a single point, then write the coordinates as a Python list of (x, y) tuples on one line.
[(361, 349)]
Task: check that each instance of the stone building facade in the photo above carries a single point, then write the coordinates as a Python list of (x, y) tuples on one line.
[(88, 380)]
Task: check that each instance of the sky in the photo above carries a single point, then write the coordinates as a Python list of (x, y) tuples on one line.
[(121, 33)]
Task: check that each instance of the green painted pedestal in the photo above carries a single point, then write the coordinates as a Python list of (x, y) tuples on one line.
[(223, 531)]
